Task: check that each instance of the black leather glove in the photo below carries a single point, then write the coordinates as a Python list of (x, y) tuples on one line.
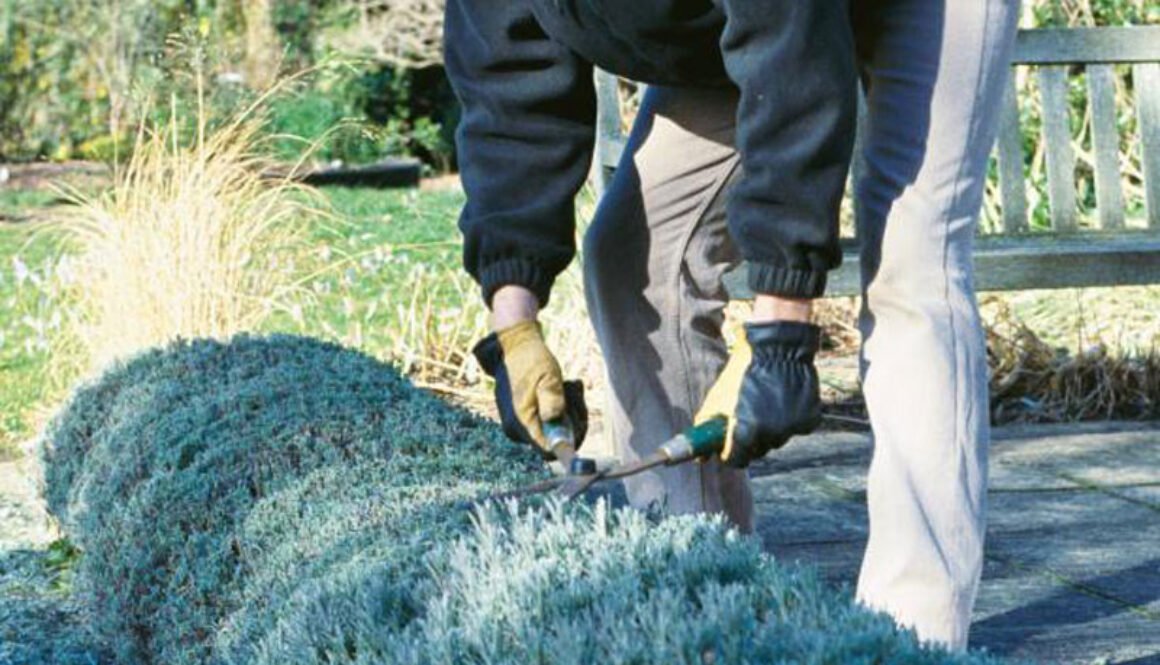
[(529, 388), (779, 395), (776, 397)]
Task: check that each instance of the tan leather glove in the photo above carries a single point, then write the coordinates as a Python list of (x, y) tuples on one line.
[(529, 388)]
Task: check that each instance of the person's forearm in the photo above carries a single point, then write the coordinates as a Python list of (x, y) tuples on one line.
[(511, 305), (776, 308), (515, 304)]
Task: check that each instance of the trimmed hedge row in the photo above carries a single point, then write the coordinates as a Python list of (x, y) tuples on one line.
[(281, 500), (155, 469)]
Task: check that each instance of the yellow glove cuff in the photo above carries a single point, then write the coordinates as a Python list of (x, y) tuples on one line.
[(721, 400), (537, 382)]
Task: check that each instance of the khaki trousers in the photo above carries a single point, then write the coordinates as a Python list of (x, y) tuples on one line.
[(657, 250)]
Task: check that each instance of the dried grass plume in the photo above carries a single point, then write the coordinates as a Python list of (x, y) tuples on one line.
[(186, 244)]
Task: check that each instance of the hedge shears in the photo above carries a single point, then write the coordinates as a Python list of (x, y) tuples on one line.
[(697, 442)]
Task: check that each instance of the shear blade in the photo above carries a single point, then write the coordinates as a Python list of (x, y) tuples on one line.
[(574, 486)]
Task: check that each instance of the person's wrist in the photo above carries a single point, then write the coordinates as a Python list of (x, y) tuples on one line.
[(769, 308), (512, 304), (783, 340)]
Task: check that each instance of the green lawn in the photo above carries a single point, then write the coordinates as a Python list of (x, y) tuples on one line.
[(1123, 318), (389, 279), (26, 323), (372, 244), (16, 203)]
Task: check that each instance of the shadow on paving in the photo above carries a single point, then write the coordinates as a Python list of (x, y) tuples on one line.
[(1071, 572), (1126, 594)]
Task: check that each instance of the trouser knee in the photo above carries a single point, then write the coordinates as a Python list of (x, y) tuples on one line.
[(610, 254)]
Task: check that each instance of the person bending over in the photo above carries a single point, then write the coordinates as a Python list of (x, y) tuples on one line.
[(740, 152)]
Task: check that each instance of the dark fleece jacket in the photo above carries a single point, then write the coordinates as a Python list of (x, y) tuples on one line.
[(523, 72)]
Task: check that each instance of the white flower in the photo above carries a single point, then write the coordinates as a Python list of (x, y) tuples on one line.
[(20, 270)]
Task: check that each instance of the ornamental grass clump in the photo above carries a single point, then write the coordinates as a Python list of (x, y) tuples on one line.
[(282, 501), (192, 240)]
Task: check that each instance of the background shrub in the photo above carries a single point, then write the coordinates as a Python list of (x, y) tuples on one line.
[(358, 112), (78, 77), (280, 501)]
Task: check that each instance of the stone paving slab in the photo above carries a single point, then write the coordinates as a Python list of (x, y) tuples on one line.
[(1115, 639), (1144, 496), (1079, 533), (1072, 571)]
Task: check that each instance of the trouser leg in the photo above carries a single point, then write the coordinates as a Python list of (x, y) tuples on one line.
[(653, 261), (935, 73)]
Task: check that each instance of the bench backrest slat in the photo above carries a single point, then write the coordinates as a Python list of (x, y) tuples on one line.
[(1057, 144), (607, 125), (1012, 183), (1101, 83), (1063, 46), (1146, 79)]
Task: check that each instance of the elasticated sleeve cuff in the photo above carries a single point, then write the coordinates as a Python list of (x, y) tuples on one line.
[(786, 282), (517, 272)]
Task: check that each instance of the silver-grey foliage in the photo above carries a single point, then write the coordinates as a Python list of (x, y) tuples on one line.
[(156, 468), (281, 501)]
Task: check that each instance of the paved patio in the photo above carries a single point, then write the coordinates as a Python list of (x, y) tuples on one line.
[(1072, 570)]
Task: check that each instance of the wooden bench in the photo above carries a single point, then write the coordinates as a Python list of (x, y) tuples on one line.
[(1105, 249)]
